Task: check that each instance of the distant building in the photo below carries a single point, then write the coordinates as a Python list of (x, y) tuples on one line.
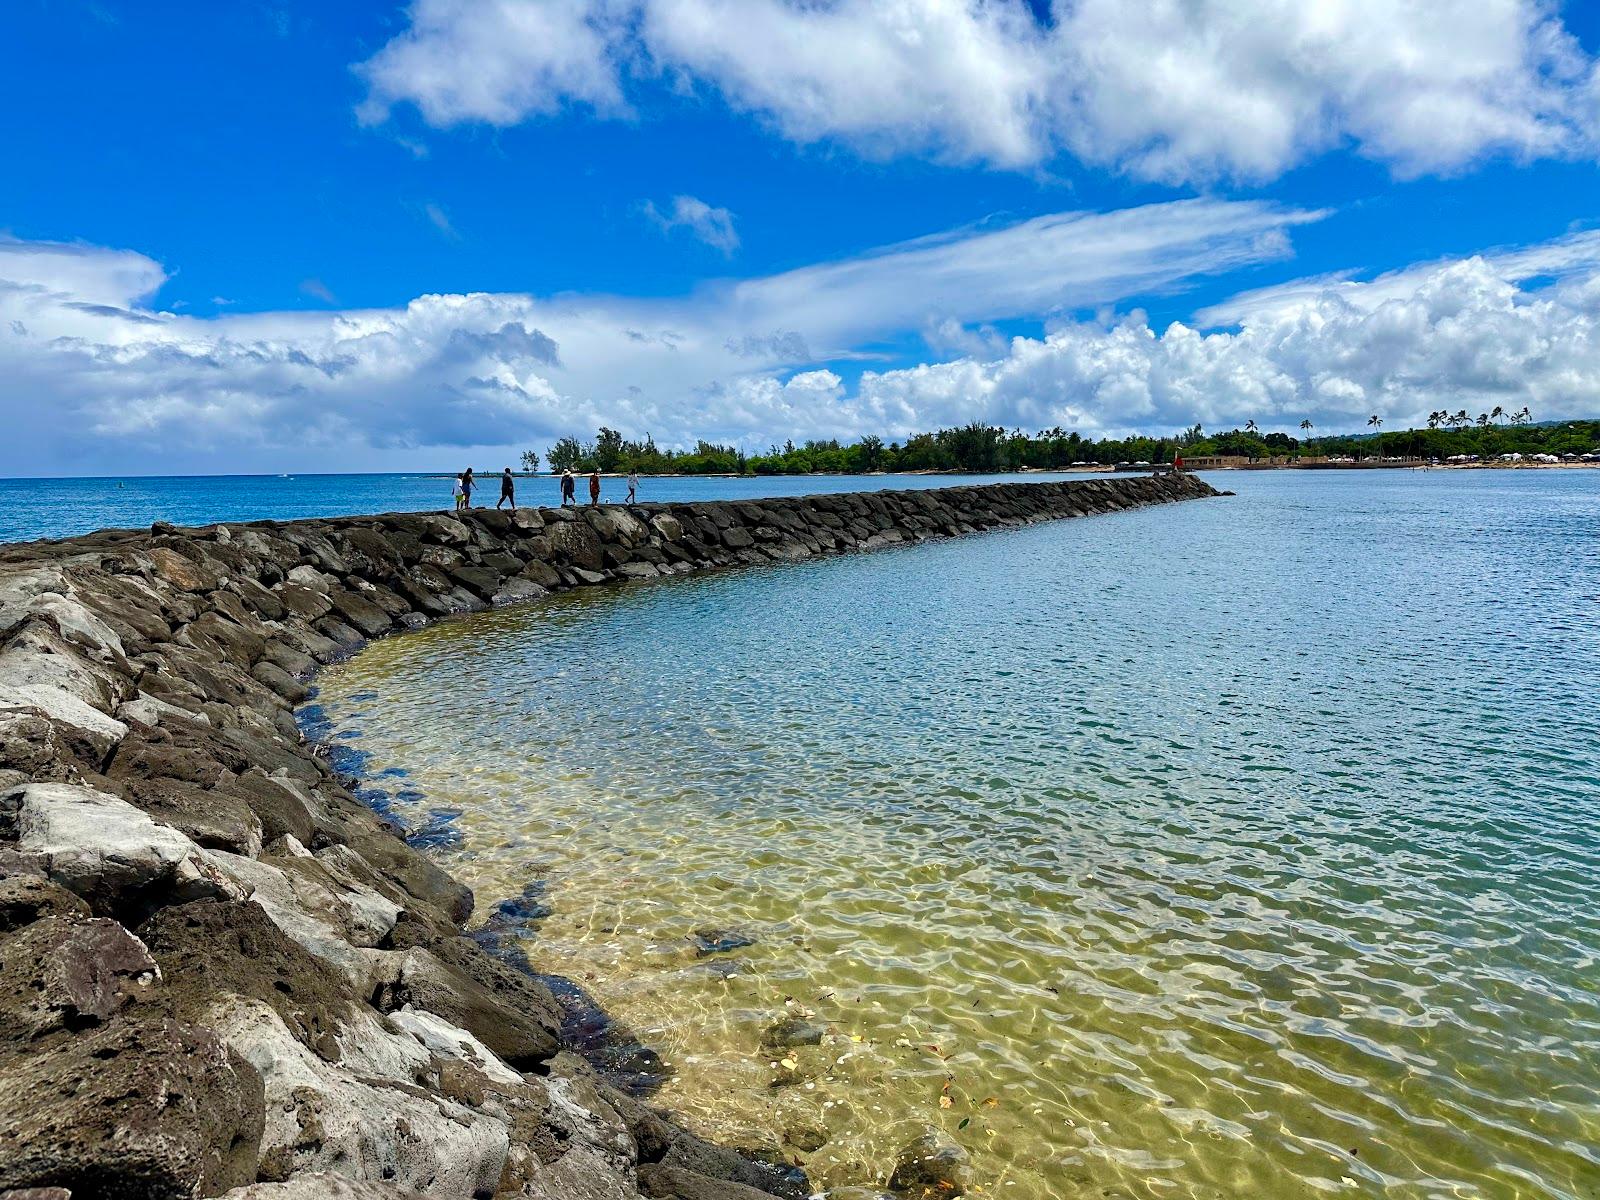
[(1214, 462)]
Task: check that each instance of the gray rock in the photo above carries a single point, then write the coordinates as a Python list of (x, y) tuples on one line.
[(209, 817), (514, 591), (321, 1185), (577, 544), (514, 1016), (360, 613), (365, 1116), (109, 852)]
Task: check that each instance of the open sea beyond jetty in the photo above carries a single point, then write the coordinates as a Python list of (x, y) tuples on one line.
[(1240, 848), (53, 508)]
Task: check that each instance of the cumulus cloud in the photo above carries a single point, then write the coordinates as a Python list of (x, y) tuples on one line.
[(1169, 91), (499, 62), (713, 226), (98, 378), (1455, 334)]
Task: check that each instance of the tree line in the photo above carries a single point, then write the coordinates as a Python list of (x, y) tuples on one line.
[(991, 448)]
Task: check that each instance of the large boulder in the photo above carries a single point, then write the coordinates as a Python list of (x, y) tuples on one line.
[(206, 949), (138, 1109), (513, 1015), (617, 525), (109, 852), (577, 544), (365, 1116)]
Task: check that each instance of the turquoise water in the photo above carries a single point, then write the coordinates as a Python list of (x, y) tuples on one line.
[(1245, 847), (52, 508)]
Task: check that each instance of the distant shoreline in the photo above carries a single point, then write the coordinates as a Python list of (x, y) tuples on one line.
[(1098, 469)]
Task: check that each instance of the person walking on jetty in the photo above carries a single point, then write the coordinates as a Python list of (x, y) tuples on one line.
[(467, 484), (459, 494), (508, 490), (569, 488), (633, 485), (594, 488)]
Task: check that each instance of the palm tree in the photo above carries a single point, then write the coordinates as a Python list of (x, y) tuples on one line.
[(1306, 425), (1483, 420), (1250, 426), (1461, 420), (1375, 421), (1497, 414), (1434, 418)]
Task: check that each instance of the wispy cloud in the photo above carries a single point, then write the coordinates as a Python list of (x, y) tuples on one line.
[(440, 220), (318, 290), (713, 226)]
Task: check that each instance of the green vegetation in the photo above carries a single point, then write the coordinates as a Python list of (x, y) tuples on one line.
[(979, 447)]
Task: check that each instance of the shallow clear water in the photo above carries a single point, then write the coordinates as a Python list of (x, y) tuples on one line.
[(53, 508), (1245, 847)]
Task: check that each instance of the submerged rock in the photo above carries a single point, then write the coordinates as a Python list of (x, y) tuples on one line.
[(933, 1165), (610, 1046), (720, 941), (792, 1031)]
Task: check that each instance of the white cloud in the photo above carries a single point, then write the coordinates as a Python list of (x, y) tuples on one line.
[(497, 61), (100, 373), (98, 379), (713, 226), (1167, 91), (1458, 334)]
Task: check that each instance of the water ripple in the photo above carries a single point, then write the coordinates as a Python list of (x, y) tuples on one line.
[(1240, 848)]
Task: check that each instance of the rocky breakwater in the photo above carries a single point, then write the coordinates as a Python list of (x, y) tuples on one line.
[(221, 973)]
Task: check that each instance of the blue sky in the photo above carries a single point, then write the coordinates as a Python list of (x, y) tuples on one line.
[(672, 216)]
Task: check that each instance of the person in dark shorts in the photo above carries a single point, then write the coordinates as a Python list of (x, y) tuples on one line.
[(569, 488), (508, 490), (633, 486), (467, 484), (594, 488)]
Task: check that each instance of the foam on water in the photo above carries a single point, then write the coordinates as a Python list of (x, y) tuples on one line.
[(1243, 847)]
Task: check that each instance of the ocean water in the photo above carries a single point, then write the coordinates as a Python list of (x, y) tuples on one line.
[(1246, 847), (53, 508)]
